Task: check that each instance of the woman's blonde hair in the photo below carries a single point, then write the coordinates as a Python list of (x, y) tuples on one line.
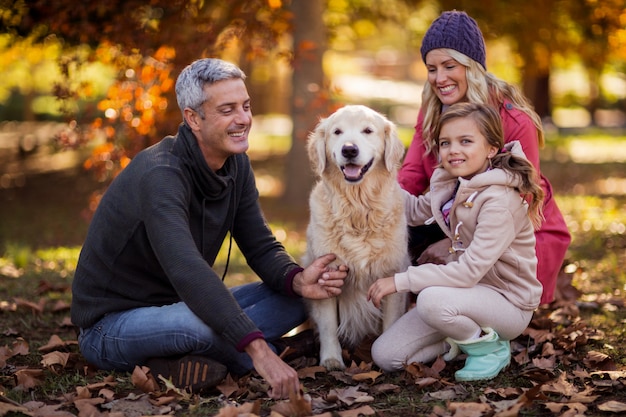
[(489, 123), (482, 87)]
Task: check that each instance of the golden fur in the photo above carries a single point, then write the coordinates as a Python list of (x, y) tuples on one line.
[(357, 212)]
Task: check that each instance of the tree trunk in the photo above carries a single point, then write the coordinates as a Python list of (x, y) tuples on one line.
[(309, 44), (536, 88)]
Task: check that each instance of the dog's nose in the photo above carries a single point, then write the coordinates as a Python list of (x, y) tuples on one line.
[(349, 150)]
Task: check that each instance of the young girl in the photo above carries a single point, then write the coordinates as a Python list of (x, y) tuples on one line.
[(453, 50), (485, 197)]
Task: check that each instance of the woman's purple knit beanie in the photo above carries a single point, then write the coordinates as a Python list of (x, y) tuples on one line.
[(455, 30)]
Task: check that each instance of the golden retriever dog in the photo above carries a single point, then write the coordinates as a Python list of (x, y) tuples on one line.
[(357, 212)]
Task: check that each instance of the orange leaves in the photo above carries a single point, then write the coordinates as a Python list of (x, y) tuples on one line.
[(134, 105), (143, 380), (55, 342)]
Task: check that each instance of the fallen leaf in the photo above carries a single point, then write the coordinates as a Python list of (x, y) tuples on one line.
[(67, 322), (35, 307), (55, 358), (60, 305), (425, 382), (55, 342), (351, 395), (28, 378), (538, 335), (578, 408), (143, 379), (296, 406), (544, 363), (87, 407), (585, 396), (560, 386), (450, 393), (614, 375), (132, 406), (310, 371), (382, 388), (107, 394), (82, 393), (366, 376), (6, 408), (598, 360), (228, 386), (20, 347), (467, 409), (366, 410), (505, 392), (108, 381), (612, 406)]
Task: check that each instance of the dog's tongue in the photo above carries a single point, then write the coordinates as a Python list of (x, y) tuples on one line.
[(351, 171)]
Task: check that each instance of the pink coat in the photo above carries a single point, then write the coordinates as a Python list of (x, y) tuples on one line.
[(552, 239)]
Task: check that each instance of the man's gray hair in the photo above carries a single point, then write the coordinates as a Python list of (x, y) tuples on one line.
[(191, 81)]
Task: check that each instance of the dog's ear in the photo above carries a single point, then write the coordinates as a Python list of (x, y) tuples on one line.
[(316, 148), (394, 149)]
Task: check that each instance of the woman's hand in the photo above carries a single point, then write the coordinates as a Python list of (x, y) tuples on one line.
[(437, 253)]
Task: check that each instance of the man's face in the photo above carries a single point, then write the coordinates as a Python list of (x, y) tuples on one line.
[(227, 120)]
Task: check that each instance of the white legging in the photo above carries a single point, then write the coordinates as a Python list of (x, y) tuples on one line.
[(441, 312)]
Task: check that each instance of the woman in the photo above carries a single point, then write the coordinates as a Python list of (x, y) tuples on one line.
[(453, 50)]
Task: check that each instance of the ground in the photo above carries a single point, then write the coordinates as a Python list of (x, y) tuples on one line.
[(570, 361)]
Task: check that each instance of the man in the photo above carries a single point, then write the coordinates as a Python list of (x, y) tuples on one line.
[(145, 293)]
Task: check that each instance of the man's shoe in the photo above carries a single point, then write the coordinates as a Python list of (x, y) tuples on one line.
[(193, 372)]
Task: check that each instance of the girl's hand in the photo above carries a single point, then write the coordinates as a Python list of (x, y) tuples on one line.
[(381, 288)]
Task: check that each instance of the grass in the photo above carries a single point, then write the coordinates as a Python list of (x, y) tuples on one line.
[(39, 255)]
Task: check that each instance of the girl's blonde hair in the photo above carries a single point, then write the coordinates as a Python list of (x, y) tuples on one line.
[(489, 124), (482, 87)]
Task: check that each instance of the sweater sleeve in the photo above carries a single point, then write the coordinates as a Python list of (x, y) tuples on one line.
[(417, 167), (417, 208), (164, 196)]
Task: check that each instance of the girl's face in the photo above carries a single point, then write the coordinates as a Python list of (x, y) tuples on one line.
[(446, 76), (463, 149)]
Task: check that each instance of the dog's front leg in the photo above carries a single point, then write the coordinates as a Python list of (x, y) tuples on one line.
[(394, 307), (326, 317)]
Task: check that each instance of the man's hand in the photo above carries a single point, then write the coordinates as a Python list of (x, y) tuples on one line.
[(437, 253), (283, 379), (381, 288), (319, 280)]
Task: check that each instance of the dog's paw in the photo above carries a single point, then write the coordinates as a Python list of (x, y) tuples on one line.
[(333, 364)]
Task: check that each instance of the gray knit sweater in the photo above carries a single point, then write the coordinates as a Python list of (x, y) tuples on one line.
[(158, 229)]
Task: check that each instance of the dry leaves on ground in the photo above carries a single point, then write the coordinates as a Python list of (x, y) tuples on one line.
[(553, 371)]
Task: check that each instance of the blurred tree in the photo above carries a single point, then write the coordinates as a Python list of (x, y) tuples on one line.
[(541, 29), (149, 43), (309, 95), (598, 25)]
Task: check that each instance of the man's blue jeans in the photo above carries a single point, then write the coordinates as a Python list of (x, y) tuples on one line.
[(119, 341)]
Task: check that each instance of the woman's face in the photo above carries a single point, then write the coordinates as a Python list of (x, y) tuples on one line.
[(447, 77)]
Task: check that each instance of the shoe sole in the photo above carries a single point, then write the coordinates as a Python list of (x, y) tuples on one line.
[(190, 372)]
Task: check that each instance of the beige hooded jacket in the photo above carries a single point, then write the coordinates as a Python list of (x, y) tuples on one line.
[(491, 236)]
